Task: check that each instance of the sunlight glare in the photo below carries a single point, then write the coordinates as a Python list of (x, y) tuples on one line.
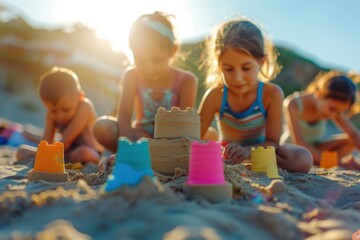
[(112, 19)]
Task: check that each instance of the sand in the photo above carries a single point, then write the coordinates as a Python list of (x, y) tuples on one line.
[(323, 204)]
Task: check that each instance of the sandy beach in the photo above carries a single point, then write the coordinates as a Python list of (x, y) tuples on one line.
[(323, 204)]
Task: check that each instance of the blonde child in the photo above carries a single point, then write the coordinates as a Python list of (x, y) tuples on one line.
[(329, 97), (248, 110), (70, 114), (151, 83)]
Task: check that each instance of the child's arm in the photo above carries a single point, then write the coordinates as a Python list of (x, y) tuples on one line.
[(126, 106), (273, 98), (188, 92), (346, 125), (78, 124), (209, 106), (49, 131), (291, 113)]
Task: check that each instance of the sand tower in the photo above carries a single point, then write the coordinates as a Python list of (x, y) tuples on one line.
[(175, 130)]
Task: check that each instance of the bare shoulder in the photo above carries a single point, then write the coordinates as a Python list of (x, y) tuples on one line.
[(129, 75), (87, 107), (292, 100), (289, 101), (214, 92), (271, 88), (130, 71), (272, 92), (214, 96), (186, 75)]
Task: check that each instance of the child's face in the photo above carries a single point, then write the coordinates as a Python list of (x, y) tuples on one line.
[(330, 107), (152, 61), (63, 111), (240, 70)]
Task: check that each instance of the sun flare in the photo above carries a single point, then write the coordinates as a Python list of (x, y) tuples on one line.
[(112, 19)]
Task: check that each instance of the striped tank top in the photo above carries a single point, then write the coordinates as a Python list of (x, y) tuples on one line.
[(247, 127), (149, 106)]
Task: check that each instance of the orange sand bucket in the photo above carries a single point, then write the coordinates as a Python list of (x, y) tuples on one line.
[(49, 163), (329, 159), (49, 158)]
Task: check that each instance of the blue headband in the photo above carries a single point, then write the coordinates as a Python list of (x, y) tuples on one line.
[(160, 28)]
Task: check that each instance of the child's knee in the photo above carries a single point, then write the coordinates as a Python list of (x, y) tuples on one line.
[(84, 154), (20, 155), (294, 158), (100, 125), (105, 130), (305, 161), (24, 152)]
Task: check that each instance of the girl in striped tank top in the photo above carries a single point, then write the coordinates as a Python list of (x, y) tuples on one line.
[(248, 108)]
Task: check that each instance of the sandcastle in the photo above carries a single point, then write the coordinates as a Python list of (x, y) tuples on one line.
[(49, 163), (177, 123), (175, 130), (264, 160)]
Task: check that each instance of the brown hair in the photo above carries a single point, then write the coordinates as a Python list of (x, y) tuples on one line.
[(56, 83), (339, 86), (156, 28), (335, 85), (243, 35)]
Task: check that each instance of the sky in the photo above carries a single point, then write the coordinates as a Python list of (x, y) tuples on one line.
[(326, 31)]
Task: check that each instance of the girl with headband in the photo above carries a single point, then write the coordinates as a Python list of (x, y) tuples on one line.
[(149, 84)]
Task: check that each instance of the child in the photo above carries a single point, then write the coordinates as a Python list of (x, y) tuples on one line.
[(150, 84), (69, 113), (249, 111), (329, 96)]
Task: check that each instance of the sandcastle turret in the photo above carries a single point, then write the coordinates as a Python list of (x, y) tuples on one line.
[(175, 129), (177, 123), (49, 163)]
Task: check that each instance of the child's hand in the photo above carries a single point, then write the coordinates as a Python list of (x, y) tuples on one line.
[(236, 153), (349, 162)]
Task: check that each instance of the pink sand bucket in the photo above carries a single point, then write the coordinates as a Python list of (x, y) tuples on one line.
[(206, 172), (206, 165)]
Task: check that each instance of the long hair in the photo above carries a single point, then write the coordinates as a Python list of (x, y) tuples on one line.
[(338, 86), (243, 35)]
